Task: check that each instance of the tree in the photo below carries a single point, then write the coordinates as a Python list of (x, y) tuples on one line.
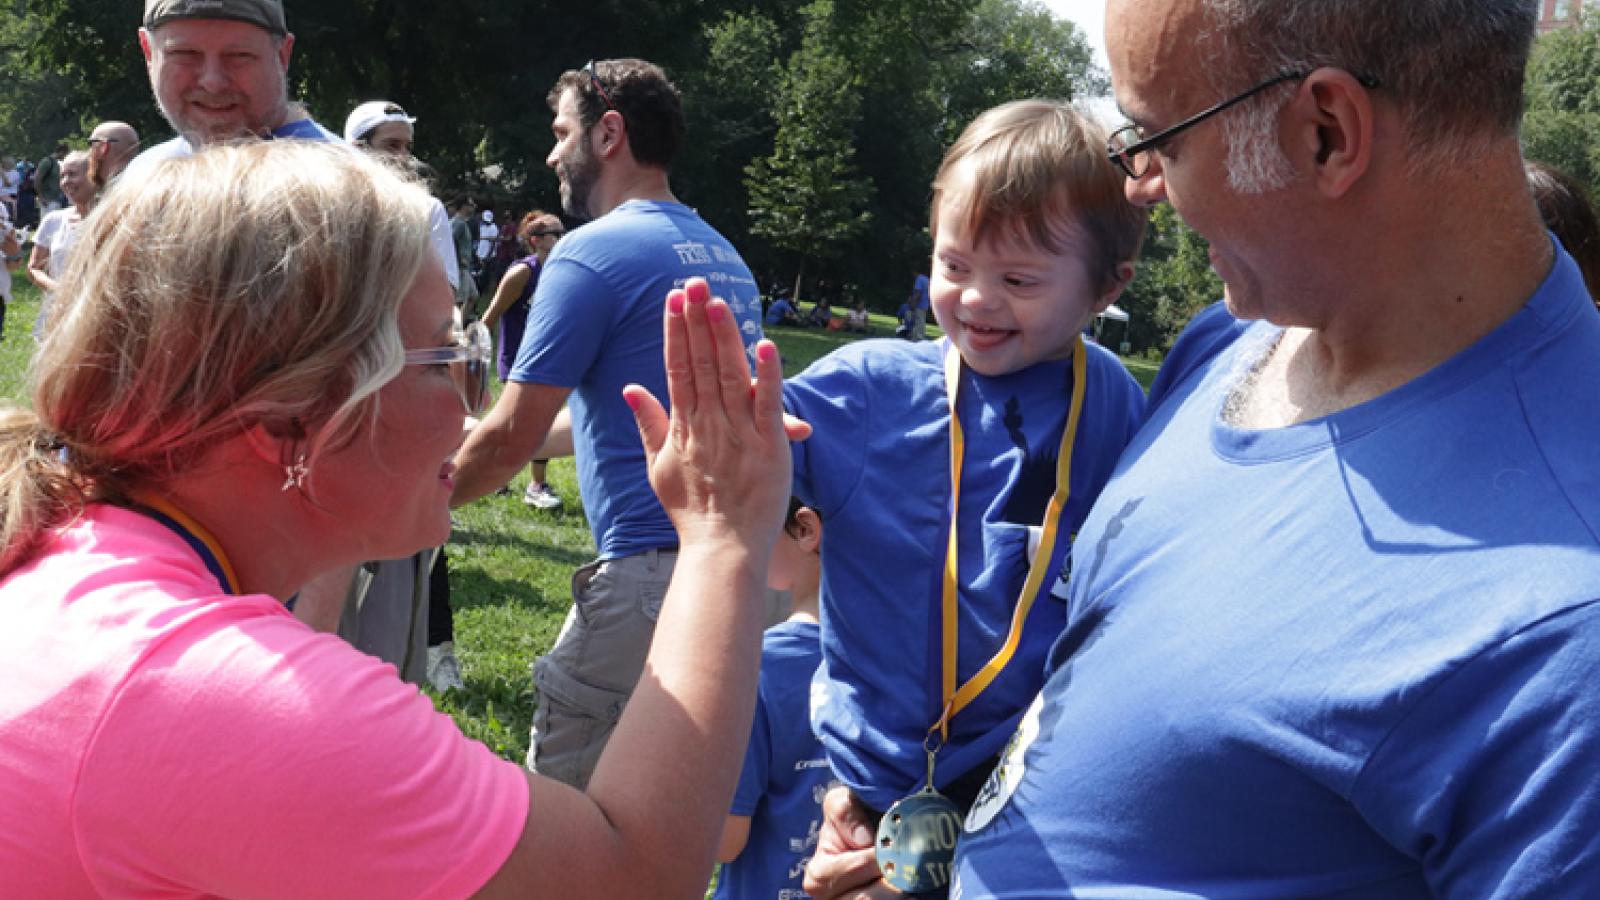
[(1561, 126), (807, 197), (1173, 282)]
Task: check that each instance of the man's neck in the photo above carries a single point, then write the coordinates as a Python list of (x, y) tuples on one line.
[(632, 183), (1394, 308)]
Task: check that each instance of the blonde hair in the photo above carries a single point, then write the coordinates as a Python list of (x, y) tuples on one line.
[(252, 284), (1030, 166)]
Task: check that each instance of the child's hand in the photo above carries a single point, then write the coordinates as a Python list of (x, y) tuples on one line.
[(845, 866), (721, 464)]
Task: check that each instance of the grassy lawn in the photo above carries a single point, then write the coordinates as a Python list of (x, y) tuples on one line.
[(510, 565)]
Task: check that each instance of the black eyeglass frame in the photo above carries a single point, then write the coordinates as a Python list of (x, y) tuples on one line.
[(1126, 157)]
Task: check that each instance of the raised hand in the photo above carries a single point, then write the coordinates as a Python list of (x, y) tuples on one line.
[(721, 462)]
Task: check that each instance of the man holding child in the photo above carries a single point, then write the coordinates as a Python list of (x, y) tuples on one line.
[(1333, 624)]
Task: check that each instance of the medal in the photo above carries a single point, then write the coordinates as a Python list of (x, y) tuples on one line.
[(917, 842), (917, 839)]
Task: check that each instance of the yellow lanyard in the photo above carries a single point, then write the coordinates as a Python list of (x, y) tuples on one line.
[(198, 539), (955, 699)]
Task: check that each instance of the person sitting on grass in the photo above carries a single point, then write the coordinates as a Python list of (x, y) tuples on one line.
[(820, 315), (203, 439), (1022, 424), (781, 312), (857, 320), (778, 803)]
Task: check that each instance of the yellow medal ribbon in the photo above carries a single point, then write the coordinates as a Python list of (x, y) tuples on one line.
[(956, 699), (222, 568)]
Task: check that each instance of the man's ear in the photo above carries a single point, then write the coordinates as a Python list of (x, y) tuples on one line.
[(1328, 128), (285, 51), (144, 46), (611, 134), (1121, 277)]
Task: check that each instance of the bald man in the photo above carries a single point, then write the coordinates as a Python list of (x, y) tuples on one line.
[(111, 148)]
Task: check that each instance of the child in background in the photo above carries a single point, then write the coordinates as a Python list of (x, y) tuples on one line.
[(777, 809), (1032, 238)]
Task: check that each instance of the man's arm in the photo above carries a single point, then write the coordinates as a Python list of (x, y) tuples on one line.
[(506, 438)]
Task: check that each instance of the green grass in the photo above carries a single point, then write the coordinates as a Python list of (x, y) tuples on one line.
[(511, 566)]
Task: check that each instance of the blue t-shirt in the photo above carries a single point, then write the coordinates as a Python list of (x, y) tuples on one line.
[(595, 326), (785, 774), (780, 308), (877, 470), (299, 129), (920, 285), (1357, 656)]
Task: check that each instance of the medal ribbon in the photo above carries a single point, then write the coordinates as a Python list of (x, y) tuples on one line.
[(956, 699), (199, 540)]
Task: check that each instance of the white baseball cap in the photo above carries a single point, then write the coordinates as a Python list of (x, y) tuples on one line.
[(370, 115)]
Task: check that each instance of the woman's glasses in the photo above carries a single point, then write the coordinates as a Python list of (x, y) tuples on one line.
[(468, 359)]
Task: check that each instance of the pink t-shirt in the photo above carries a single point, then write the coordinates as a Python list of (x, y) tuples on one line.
[(160, 738)]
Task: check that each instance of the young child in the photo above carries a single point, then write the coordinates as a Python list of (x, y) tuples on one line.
[(1032, 237), (777, 809)]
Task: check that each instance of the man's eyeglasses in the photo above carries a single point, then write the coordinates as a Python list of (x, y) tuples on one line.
[(468, 359), (1130, 150), (594, 79)]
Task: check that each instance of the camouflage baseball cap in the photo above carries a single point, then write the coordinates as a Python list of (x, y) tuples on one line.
[(267, 14)]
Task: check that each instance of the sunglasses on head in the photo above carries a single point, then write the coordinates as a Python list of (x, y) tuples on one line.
[(468, 358), (594, 79)]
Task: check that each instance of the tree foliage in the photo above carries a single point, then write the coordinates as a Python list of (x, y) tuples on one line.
[(807, 196), (1561, 126)]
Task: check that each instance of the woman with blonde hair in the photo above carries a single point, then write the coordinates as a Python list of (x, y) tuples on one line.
[(254, 377)]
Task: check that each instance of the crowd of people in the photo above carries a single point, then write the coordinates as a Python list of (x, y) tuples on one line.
[(1317, 616)]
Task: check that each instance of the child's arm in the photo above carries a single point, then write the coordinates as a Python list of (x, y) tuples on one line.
[(735, 834)]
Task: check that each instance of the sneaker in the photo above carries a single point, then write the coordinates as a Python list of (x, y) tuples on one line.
[(444, 673), (539, 496)]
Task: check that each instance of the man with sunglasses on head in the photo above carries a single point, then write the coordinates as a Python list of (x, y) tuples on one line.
[(595, 325), (1333, 625)]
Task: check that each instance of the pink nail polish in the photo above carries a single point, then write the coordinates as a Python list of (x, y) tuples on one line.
[(675, 303), (766, 351), (716, 313)]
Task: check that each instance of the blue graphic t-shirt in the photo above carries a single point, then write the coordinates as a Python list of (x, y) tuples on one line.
[(595, 326), (1358, 656), (785, 775), (876, 469)]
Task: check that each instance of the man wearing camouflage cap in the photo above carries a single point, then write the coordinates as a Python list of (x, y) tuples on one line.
[(219, 70)]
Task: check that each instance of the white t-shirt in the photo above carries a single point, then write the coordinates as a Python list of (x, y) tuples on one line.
[(57, 233), (5, 274), (486, 235), (9, 182)]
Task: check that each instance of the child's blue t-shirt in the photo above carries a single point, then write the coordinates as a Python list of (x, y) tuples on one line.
[(876, 469), (595, 326), (785, 774)]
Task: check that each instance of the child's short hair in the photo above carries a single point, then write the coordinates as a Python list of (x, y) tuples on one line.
[(1034, 163)]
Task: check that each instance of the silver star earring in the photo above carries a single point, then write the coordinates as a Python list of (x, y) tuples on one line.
[(295, 474)]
